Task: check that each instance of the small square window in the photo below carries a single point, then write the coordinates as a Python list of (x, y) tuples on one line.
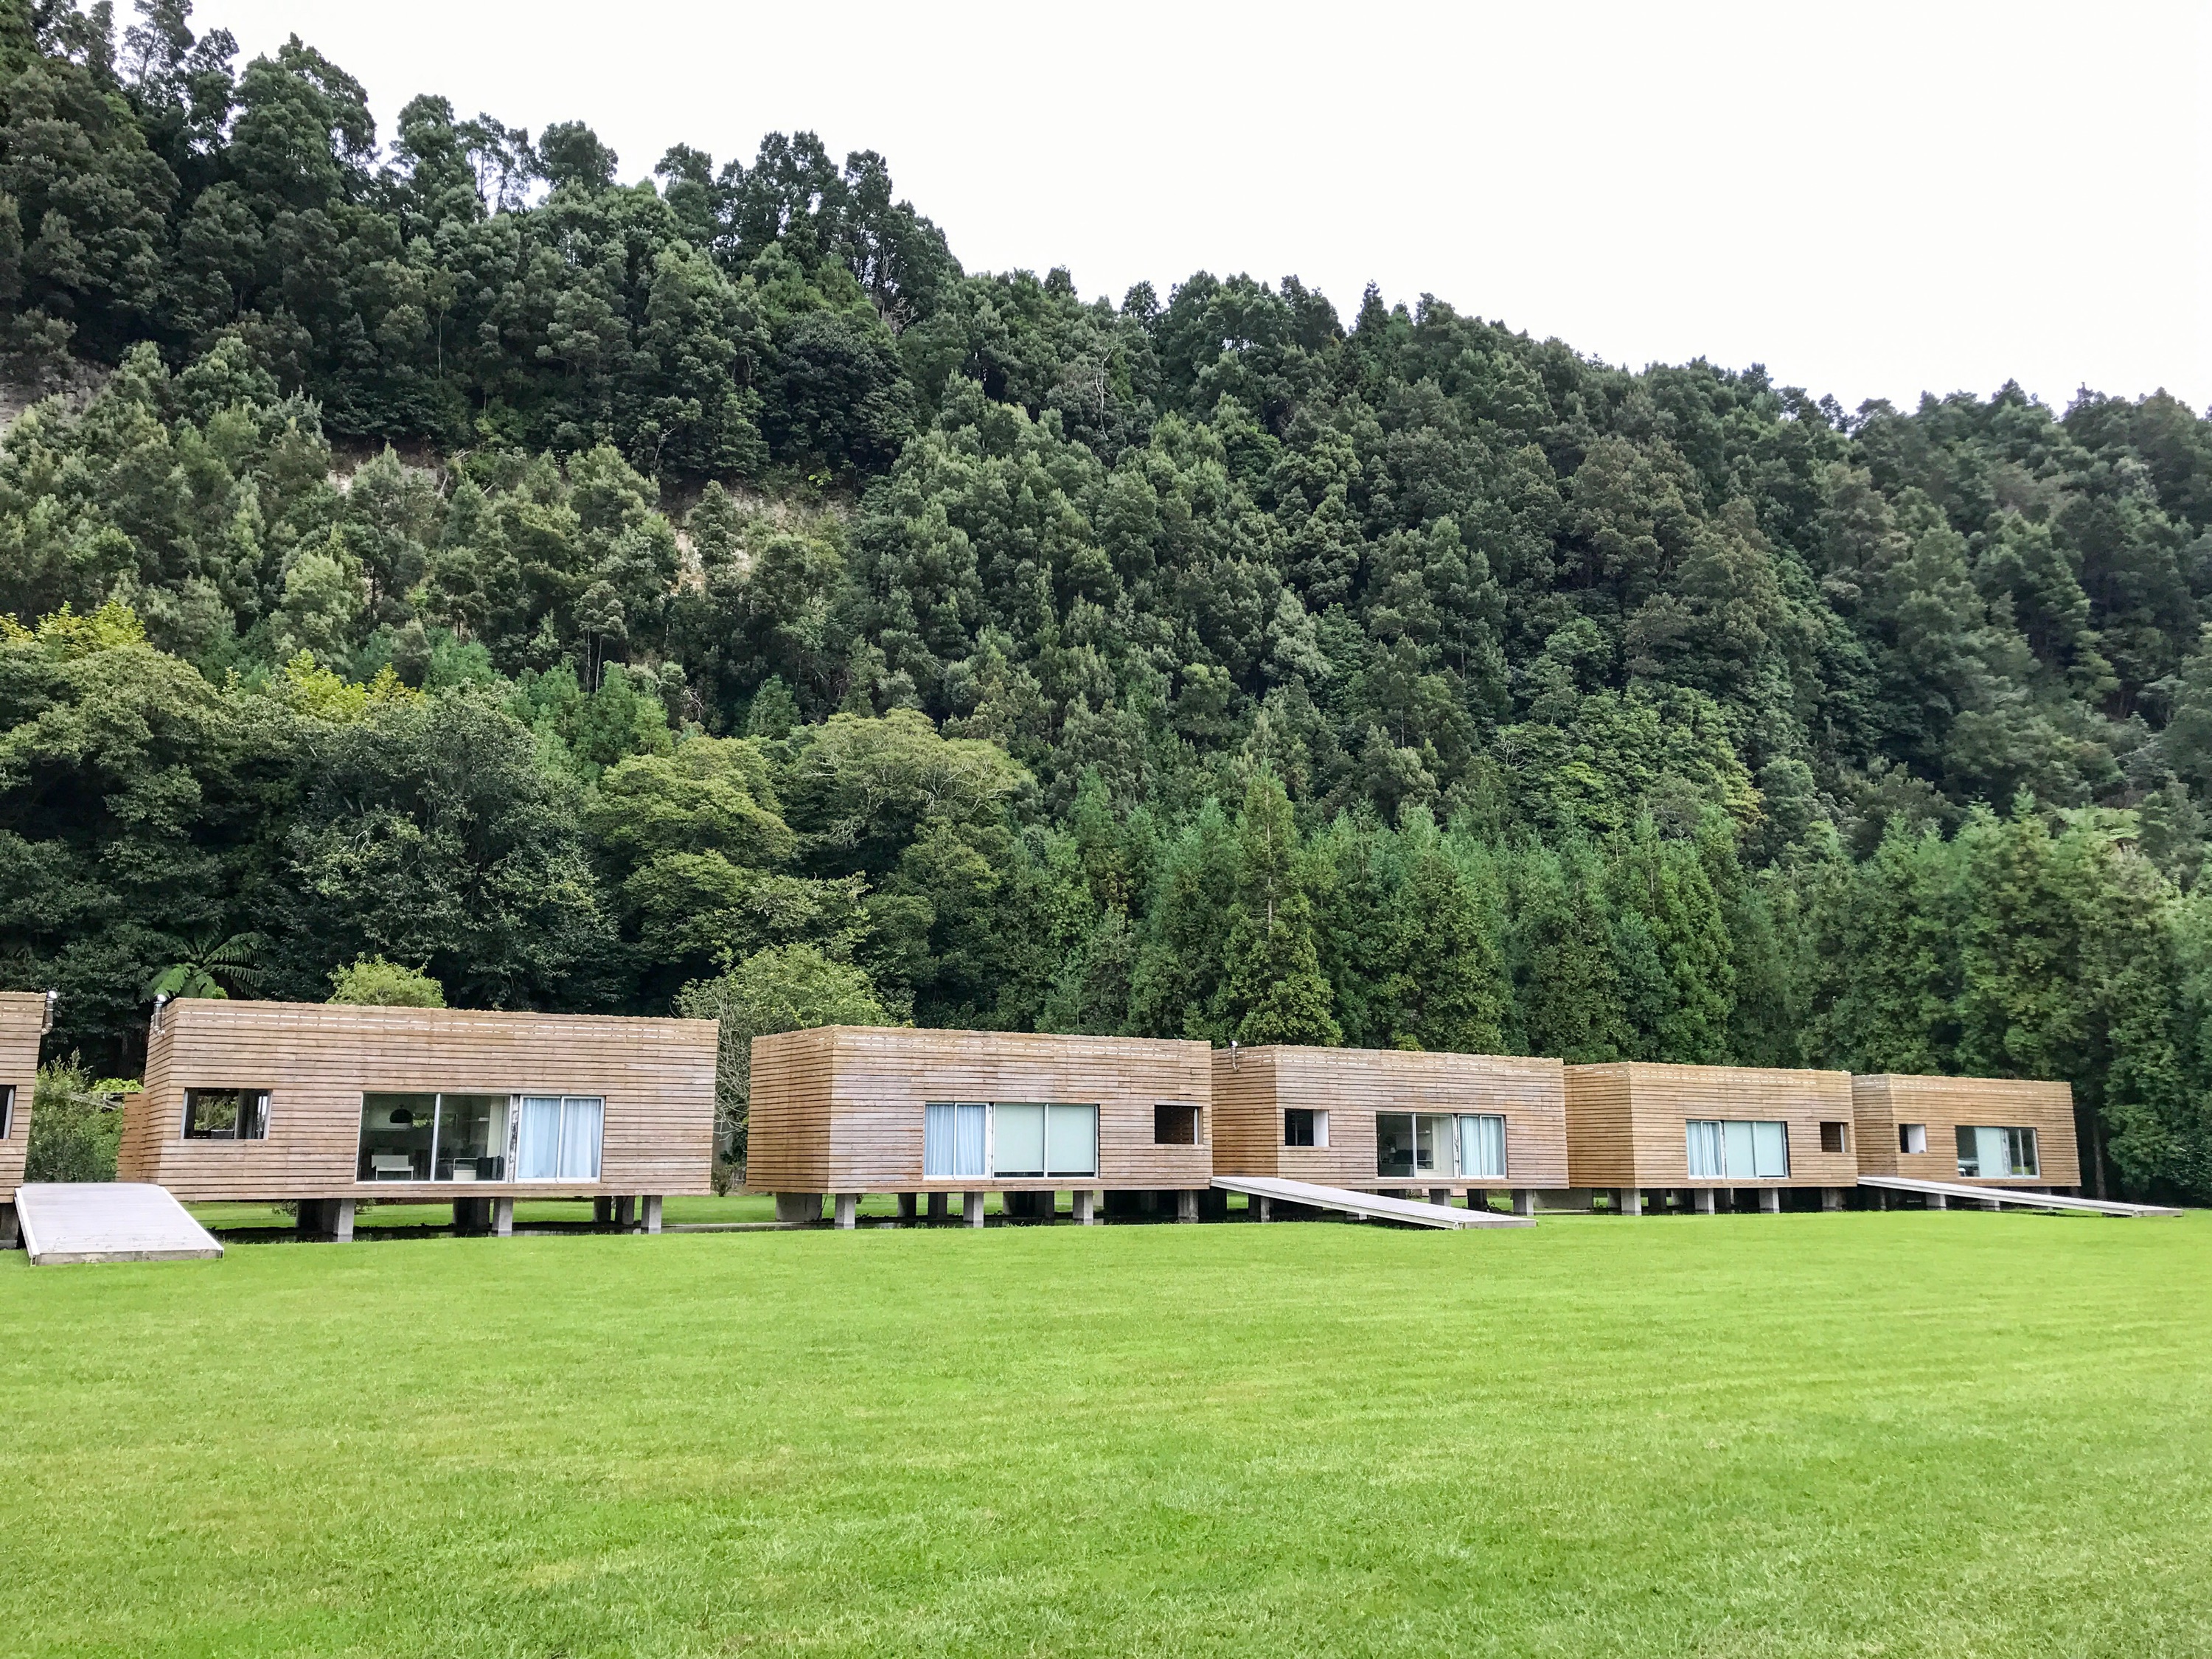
[(1911, 1137), (225, 1114), (1835, 1137), (1304, 1127), (6, 1110), (1174, 1126)]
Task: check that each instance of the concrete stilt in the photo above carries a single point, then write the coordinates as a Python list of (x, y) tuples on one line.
[(1701, 1200), (906, 1206), (603, 1211), (650, 1218), (971, 1208), (939, 1206), (502, 1218), (1047, 1206), (1831, 1198), (1991, 1204), (798, 1207), (1937, 1201), (1263, 1209), (1440, 1195), (1187, 1205), (341, 1222), (11, 1232), (848, 1210), (1084, 1218), (625, 1212), (1629, 1200), (1770, 1201), (1524, 1200)]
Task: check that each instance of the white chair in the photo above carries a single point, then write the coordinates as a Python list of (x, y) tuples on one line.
[(390, 1166)]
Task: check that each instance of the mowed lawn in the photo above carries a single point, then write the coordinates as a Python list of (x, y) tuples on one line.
[(1956, 1434)]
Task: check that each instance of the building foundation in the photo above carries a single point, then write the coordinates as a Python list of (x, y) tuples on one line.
[(848, 1210)]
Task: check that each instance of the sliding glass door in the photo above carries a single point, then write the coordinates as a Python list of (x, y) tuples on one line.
[(559, 1138)]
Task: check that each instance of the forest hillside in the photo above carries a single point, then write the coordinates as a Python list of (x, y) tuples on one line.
[(607, 588)]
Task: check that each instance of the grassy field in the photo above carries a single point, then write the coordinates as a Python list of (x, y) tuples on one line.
[(1957, 1434)]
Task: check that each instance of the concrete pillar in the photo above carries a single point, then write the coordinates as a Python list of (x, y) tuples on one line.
[(341, 1222), (1701, 1200), (1263, 1209), (1938, 1202), (1770, 1201), (1047, 1206), (971, 1208), (625, 1212), (308, 1224), (502, 1216), (649, 1212), (798, 1207), (10, 1233), (907, 1207), (468, 1215), (1187, 1205), (1084, 1218), (939, 1206), (1991, 1204), (848, 1210), (1628, 1200), (1440, 1195), (1524, 1200), (1831, 1198)]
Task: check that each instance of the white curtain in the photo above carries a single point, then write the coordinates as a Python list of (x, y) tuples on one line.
[(939, 1145), (539, 1158), (1704, 1149), (1770, 1151), (1482, 1147), (1071, 1140), (581, 1117), (968, 1157)]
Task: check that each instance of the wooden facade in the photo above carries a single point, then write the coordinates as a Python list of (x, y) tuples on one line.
[(1885, 1107), (1254, 1089), (317, 1060), (22, 1022), (840, 1108), (1627, 1123)]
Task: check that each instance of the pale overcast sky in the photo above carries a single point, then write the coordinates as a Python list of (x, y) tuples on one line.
[(1873, 200)]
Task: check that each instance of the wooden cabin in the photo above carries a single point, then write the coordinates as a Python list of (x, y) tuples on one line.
[(853, 1110), (1391, 1119), (1979, 1131), (24, 1016), (1704, 1133), (328, 1104)]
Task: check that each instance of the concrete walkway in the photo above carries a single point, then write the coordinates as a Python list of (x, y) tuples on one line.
[(1369, 1206), (2013, 1196), (108, 1221)]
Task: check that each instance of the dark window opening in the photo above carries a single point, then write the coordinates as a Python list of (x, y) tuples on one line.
[(1174, 1126), (1304, 1127), (1911, 1137), (1835, 1138), (7, 1110), (225, 1114)]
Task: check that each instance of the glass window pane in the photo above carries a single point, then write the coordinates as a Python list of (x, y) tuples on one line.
[(581, 1117), (2022, 1148), (472, 1138), (1482, 1147), (538, 1157), (1071, 1140), (1704, 1149), (1771, 1150), (1738, 1160), (1970, 1152), (1394, 1144), (938, 1145), (1433, 1145), (1017, 1140), (395, 1137), (974, 1130)]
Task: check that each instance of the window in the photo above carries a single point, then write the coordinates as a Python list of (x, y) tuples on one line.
[(1304, 1127), (1010, 1140), (954, 1136), (1835, 1137), (1728, 1150), (1911, 1137), (1413, 1142), (1174, 1126), (559, 1138), (225, 1114), (7, 1110), (1482, 1147), (436, 1137), (1987, 1153)]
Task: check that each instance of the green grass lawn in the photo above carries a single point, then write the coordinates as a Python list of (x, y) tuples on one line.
[(1956, 1434)]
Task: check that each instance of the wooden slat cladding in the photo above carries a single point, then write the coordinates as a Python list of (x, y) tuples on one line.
[(1625, 1122), (1254, 1087), (839, 1108), (1883, 1100), (22, 1013), (657, 1077)]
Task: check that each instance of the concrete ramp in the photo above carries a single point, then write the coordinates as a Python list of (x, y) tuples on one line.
[(2011, 1198), (1369, 1206), (108, 1221)]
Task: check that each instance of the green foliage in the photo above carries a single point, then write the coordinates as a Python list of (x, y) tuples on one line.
[(374, 981), (77, 1125), (789, 987)]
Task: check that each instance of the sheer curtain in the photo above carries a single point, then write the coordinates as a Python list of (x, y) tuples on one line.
[(539, 1156), (581, 1119), (1482, 1147), (1704, 1137)]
